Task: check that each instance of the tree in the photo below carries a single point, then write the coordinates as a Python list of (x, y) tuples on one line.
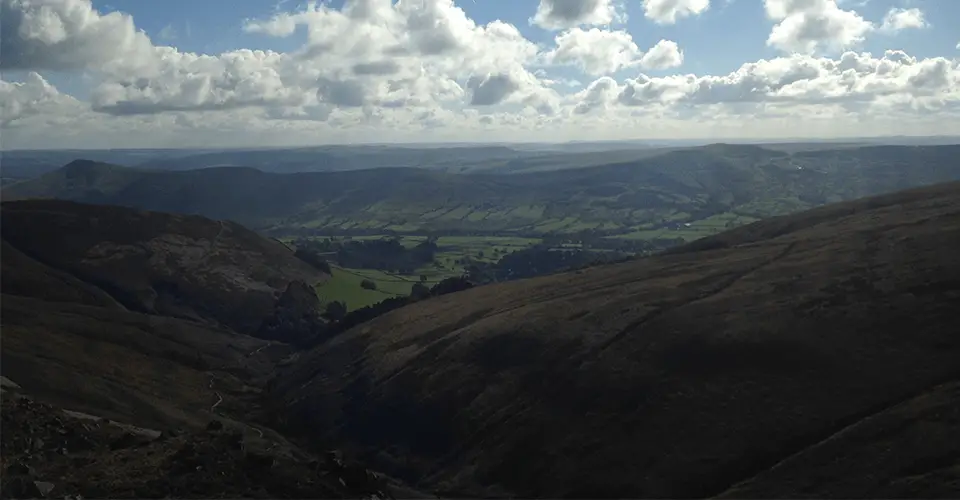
[(335, 310), (368, 284), (419, 291), (311, 257)]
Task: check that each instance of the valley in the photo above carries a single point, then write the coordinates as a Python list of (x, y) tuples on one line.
[(724, 321), (660, 198)]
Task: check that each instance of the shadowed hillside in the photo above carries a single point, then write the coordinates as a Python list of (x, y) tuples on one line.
[(721, 181), (128, 333), (136, 314), (172, 265), (740, 366)]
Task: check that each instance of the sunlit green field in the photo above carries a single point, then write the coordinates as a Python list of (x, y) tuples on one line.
[(454, 254)]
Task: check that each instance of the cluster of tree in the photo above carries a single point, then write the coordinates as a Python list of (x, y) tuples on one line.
[(386, 254), (312, 256), (341, 320), (537, 261)]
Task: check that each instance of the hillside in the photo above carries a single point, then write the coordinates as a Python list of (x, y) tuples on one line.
[(812, 355), (714, 186), (131, 364), (172, 265)]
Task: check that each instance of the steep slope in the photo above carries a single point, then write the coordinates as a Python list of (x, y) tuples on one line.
[(120, 328), (681, 185), (681, 375), (172, 265), (135, 314), (912, 446)]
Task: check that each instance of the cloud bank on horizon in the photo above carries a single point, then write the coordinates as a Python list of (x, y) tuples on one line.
[(78, 74)]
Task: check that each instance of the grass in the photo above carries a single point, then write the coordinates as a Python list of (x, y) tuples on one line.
[(344, 285)]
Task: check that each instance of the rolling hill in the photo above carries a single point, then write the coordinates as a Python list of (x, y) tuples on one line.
[(811, 355), (728, 182)]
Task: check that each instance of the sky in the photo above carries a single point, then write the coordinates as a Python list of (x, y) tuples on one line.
[(241, 73)]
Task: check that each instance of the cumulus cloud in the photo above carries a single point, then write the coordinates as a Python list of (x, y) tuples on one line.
[(665, 54), (854, 79), (670, 11), (595, 51), (810, 26), (491, 89), (600, 52), (31, 97), (900, 19), (392, 70), (68, 35), (560, 14)]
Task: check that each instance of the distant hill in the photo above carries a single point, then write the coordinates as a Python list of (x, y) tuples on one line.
[(813, 355), (713, 183), (29, 164)]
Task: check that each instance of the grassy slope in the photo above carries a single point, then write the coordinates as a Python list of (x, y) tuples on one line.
[(689, 185), (679, 375)]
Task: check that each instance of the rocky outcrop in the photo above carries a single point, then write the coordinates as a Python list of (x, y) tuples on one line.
[(51, 453), (296, 318)]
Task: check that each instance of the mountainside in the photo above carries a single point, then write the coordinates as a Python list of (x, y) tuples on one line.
[(171, 265), (689, 185), (131, 364), (813, 355)]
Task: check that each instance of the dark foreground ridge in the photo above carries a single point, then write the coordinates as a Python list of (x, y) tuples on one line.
[(52, 453), (799, 356)]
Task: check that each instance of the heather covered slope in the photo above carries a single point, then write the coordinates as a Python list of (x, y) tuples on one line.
[(742, 358), (172, 265), (149, 320), (139, 315)]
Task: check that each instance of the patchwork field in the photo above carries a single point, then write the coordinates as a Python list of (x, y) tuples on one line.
[(454, 255)]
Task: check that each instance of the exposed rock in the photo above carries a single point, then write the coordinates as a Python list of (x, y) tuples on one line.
[(192, 464), (297, 316), (44, 487)]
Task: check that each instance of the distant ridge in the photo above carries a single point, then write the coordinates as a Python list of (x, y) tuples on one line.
[(683, 185)]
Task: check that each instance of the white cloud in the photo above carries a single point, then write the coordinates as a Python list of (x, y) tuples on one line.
[(901, 19), (559, 14), (381, 70), (855, 80), (665, 54), (68, 35), (33, 97), (810, 26), (670, 11), (595, 51), (600, 52)]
